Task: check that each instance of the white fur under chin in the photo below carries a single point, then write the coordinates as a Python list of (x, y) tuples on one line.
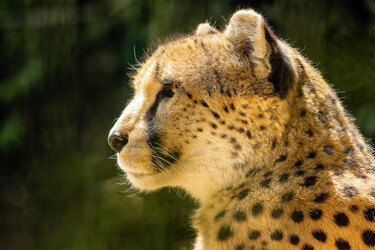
[(201, 180)]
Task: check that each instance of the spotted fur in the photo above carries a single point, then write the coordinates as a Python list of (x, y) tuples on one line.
[(250, 129)]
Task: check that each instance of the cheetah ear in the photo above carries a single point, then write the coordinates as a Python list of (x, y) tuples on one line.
[(205, 29), (254, 39)]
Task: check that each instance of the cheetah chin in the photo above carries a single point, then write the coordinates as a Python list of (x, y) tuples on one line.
[(247, 126)]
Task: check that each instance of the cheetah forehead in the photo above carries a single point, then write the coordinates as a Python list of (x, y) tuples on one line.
[(246, 49)]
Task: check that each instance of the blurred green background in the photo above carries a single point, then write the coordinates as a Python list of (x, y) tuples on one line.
[(63, 82)]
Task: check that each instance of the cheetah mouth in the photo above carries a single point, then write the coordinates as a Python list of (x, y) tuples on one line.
[(141, 175), (162, 157)]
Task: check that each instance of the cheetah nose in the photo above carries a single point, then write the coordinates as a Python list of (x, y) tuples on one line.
[(117, 141)]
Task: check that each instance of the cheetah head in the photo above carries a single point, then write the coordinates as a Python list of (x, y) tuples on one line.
[(206, 108)]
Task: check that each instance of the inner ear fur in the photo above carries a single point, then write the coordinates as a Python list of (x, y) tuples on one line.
[(254, 39), (283, 74), (205, 29)]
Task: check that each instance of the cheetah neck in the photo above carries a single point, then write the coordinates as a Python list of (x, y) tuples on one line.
[(319, 128)]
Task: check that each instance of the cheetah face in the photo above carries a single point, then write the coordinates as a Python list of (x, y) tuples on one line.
[(191, 120)]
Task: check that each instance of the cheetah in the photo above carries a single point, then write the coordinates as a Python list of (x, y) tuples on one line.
[(247, 126)]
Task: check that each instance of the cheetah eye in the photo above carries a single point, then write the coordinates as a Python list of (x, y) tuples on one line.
[(170, 88), (174, 86)]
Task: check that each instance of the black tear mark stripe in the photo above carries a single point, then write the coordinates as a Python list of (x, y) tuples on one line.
[(161, 160)]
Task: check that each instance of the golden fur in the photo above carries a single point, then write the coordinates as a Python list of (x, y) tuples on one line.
[(249, 128)]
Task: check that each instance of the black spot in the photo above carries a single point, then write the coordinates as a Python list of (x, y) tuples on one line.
[(244, 121), (309, 181), (228, 93), (322, 117), (213, 125), (262, 127), (204, 104), (216, 115), (257, 209), (368, 237), (350, 191), (220, 215), (241, 130), (309, 133), (294, 239), (242, 113), (283, 178), (341, 219), (274, 142), (232, 106), (199, 129), (299, 173), (248, 134), (370, 214), (342, 244), (223, 136), (188, 95), (277, 235), (265, 183), (254, 234), (298, 163), (297, 216), (319, 235), (232, 139), (316, 214), (321, 197), (224, 233), (237, 146), (239, 216), (226, 109), (269, 173), (222, 122), (319, 167), (195, 101), (240, 247), (230, 127), (281, 158), (243, 194), (276, 213), (354, 208), (307, 247), (302, 112), (311, 155), (287, 197)]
